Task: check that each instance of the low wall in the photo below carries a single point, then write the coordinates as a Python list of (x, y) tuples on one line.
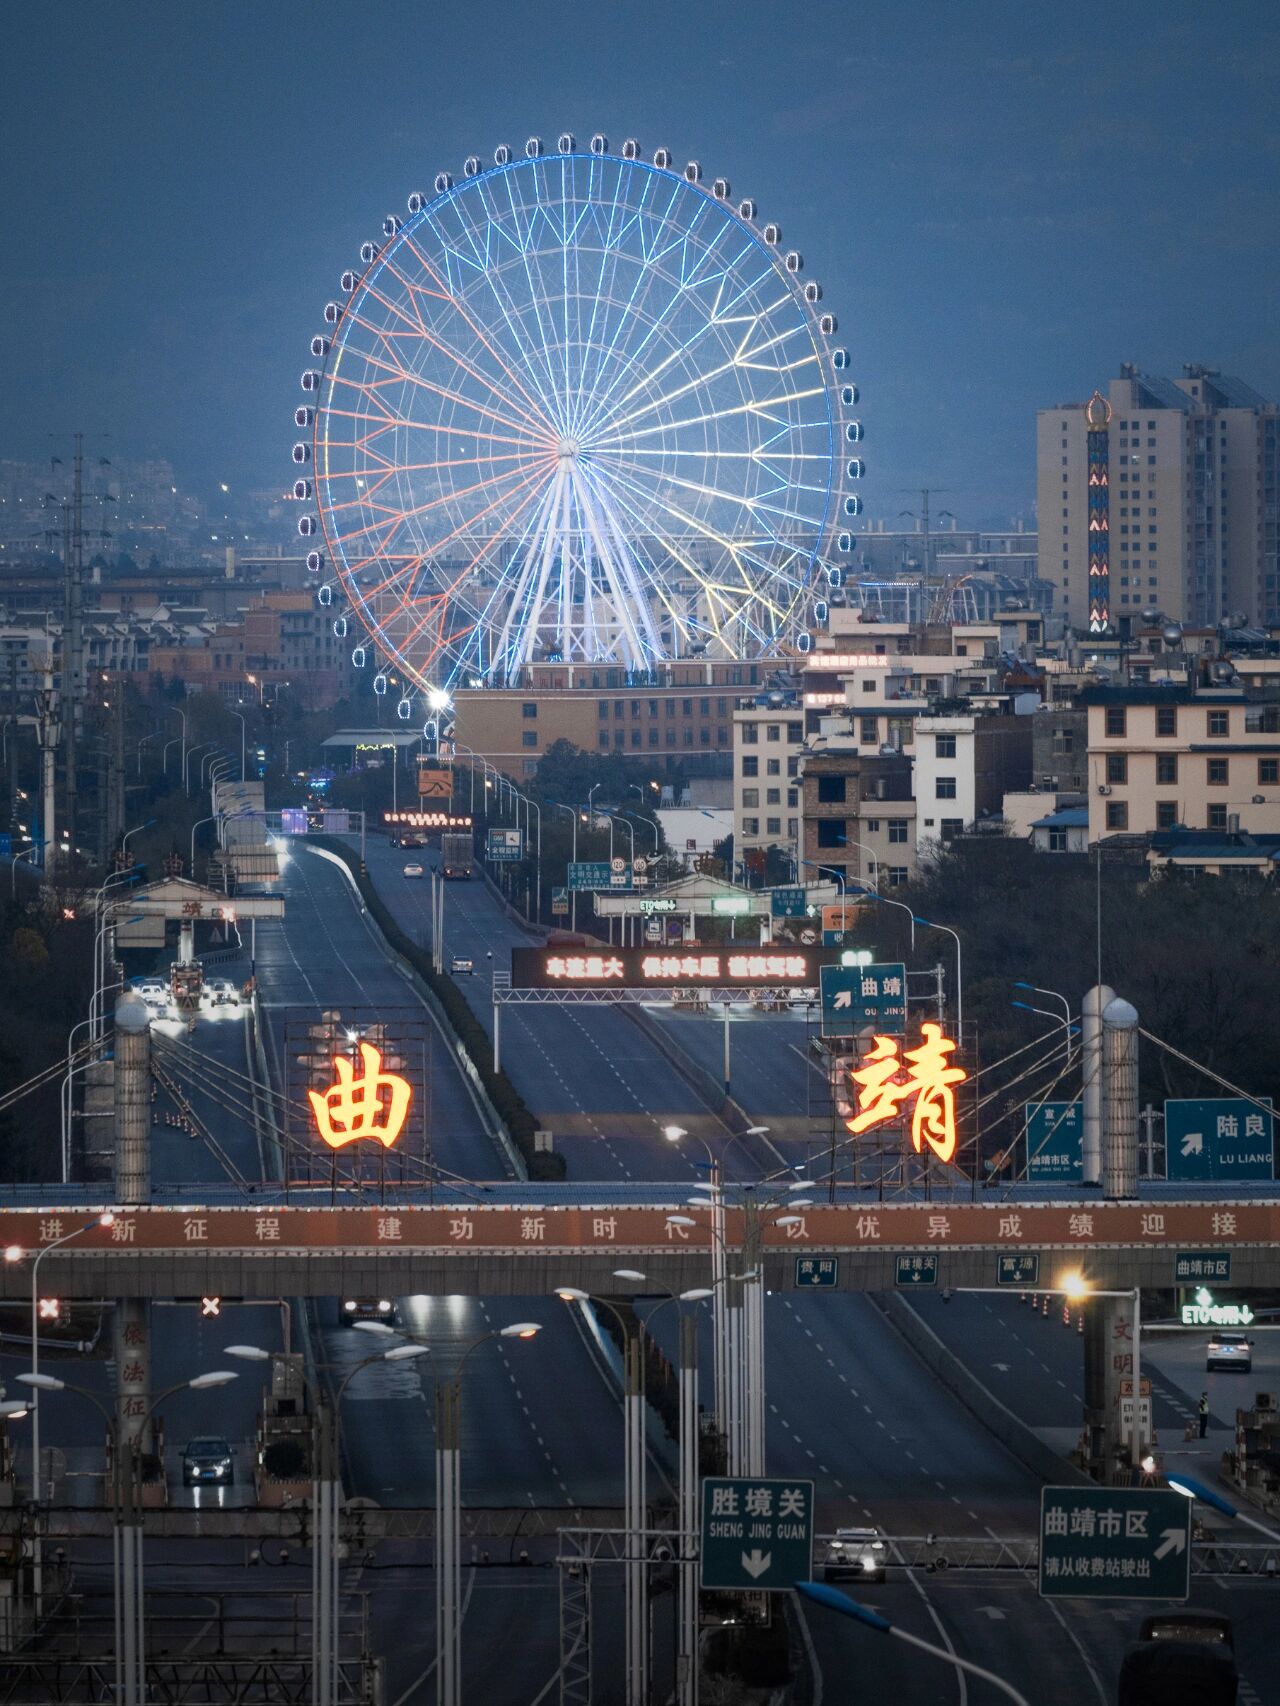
[(1019, 1440)]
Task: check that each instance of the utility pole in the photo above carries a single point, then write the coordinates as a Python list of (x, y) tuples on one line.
[(72, 633), (49, 732)]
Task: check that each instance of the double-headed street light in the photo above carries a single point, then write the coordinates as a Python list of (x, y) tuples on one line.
[(127, 1558)]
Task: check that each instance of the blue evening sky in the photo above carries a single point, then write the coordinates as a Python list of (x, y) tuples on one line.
[(1002, 200)]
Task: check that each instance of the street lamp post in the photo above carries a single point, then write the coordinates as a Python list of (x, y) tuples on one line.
[(188, 752), (240, 715), (925, 923), (1054, 995), (1047, 1013), (136, 830), (834, 1600), (573, 857), (177, 712)]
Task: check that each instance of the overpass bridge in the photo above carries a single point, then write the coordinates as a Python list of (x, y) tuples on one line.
[(522, 1241)]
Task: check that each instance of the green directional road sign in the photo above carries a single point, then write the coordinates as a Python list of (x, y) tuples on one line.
[(1055, 1143), (1220, 1138), (817, 1270), (915, 1270), (756, 1534), (1020, 1268), (856, 996), (1114, 1543)]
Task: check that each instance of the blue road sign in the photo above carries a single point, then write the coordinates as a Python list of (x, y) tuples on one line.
[(1114, 1543), (1021, 1267), (817, 1270), (1222, 1137), (1055, 1143), (909, 1271), (756, 1534), (787, 903), (854, 997), (589, 874), (6, 846)]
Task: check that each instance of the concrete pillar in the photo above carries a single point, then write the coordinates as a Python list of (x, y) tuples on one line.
[(132, 1090), (1119, 1099), (1091, 1061)]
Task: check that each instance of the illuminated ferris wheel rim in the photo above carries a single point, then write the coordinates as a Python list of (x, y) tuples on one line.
[(588, 512)]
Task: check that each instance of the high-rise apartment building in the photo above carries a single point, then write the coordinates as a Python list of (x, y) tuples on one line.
[(1163, 494)]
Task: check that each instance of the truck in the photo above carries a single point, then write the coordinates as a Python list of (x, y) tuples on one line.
[(456, 855)]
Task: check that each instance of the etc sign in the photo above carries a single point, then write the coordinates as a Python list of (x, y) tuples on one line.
[(1204, 1312)]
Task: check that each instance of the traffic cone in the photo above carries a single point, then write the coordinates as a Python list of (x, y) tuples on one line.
[(1080, 1321)]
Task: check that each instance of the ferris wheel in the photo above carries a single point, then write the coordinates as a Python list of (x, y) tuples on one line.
[(578, 406)]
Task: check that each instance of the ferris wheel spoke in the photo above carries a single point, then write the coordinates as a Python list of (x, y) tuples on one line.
[(539, 415), (716, 318), (390, 374), (758, 505)]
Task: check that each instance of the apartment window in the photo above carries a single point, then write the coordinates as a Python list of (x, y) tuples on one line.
[(686, 705), (704, 737), (793, 797), (722, 737), (1218, 772), (773, 767), (670, 737), (896, 876), (1064, 741), (1166, 814), (635, 737), (653, 707), (951, 827), (635, 707), (1166, 769), (946, 745), (793, 767), (832, 832), (653, 737), (619, 739), (688, 737), (773, 731), (704, 707), (750, 734), (791, 828), (618, 710), (871, 825), (831, 790), (869, 685), (602, 709), (870, 730), (751, 767), (750, 797), (1117, 767), (1218, 723), (604, 737), (795, 732), (1057, 841), (1268, 772), (897, 830), (1166, 719), (528, 711), (751, 826), (1117, 814), (722, 705), (773, 825), (1217, 817), (1115, 719), (773, 796), (529, 737), (945, 788)]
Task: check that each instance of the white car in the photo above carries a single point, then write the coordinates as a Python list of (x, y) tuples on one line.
[(414, 871), (857, 1552), (222, 992), (1230, 1351)]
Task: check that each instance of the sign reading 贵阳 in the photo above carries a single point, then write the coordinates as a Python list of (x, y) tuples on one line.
[(1221, 1137), (821, 1271), (1114, 1543), (723, 967), (757, 1535), (1055, 1143)]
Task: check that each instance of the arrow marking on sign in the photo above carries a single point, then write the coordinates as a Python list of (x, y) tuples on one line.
[(756, 1562), (844, 998), (1172, 1540), (1193, 1143)]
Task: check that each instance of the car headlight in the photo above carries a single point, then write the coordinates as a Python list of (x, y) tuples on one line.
[(350, 1306), (384, 1306)]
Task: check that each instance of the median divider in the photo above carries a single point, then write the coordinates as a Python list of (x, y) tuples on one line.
[(514, 1119), (1019, 1440)]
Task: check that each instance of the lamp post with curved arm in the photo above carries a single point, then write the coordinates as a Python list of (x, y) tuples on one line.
[(188, 753), (925, 923), (126, 1557), (572, 813)]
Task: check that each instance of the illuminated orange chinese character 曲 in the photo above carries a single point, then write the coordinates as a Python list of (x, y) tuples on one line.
[(888, 1080), (375, 1104)]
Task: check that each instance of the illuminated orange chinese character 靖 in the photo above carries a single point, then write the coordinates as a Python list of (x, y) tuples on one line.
[(373, 1105), (888, 1080)]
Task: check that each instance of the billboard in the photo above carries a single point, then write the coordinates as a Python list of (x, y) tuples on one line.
[(728, 967)]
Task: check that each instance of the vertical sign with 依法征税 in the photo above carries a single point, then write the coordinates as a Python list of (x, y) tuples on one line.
[(757, 1533), (1114, 1543)]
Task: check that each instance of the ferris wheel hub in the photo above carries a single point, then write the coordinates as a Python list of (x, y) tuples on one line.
[(569, 450)]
